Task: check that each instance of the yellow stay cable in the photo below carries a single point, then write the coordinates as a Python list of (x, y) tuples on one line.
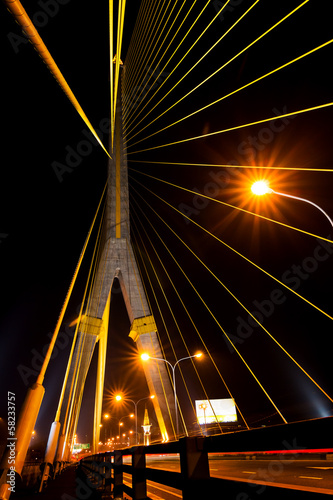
[(237, 127), (229, 166), (79, 347), (173, 317), (121, 16), (232, 59), (22, 18), (158, 335), (296, 59), (159, 62), (135, 41), (232, 206), (241, 255), (77, 394), (145, 64), (111, 21), (149, 32), (187, 312), (164, 322), (134, 57), (241, 304), (191, 69), (157, 52), (174, 53), (68, 412), (234, 347), (76, 329)]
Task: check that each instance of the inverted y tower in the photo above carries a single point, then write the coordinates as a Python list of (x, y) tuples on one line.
[(117, 261)]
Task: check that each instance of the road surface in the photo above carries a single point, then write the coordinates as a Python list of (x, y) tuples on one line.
[(314, 475)]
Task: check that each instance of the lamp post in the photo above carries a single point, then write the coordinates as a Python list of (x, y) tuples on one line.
[(120, 398), (106, 416), (204, 407), (146, 357), (261, 187), (122, 418)]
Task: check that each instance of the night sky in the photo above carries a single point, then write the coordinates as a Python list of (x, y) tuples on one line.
[(45, 218)]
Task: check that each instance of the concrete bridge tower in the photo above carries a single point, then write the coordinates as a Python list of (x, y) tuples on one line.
[(117, 261)]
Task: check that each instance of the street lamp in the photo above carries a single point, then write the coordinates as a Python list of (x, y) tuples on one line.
[(120, 423), (106, 417), (146, 357), (120, 398), (261, 187), (204, 406)]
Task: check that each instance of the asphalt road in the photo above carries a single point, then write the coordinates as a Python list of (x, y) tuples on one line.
[(310, 475), (313, 475)]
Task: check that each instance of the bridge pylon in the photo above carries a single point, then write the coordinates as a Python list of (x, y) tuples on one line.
[(117, 262)]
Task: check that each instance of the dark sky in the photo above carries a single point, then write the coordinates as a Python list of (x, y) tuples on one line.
[(44, 222)]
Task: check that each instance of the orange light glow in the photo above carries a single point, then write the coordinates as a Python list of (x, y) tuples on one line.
[(260, 188), (145, 356)]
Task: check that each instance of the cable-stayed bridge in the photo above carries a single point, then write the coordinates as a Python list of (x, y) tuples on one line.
[(205, 98)]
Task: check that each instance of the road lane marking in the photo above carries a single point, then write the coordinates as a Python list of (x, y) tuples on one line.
[(154, 485), (322, 468), (310, 477)]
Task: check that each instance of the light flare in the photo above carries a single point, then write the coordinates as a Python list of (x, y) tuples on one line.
[(260, 188)]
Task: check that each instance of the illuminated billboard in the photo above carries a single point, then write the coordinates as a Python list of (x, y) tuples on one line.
[(211, 411)]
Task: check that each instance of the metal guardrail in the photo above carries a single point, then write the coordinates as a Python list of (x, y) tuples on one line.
[(106, 470), (194, 467)]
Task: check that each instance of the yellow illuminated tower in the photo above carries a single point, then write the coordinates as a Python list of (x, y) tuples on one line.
[(146, 429), (116, 262)]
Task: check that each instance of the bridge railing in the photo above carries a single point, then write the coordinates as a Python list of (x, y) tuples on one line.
[(107, 470)]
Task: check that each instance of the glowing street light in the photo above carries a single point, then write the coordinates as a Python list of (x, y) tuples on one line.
[(145, 357), (120, 398), (261, 187), (120, 423)]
